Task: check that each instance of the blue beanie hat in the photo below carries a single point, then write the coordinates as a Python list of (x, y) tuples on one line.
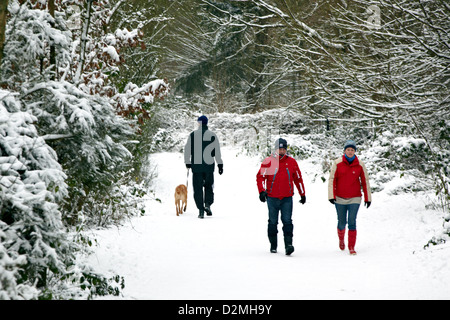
[(350, 144), (203, 120)]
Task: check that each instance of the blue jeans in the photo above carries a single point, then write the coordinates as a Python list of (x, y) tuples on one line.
[(342, 210), (276, 205)]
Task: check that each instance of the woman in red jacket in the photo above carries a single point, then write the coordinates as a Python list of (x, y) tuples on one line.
[(275, 180), (347, 177)]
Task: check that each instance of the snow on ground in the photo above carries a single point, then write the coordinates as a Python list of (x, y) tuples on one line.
[(226, 256)]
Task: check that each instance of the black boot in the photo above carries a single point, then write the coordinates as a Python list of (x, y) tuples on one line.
[(273, 244), (201, 214), (288, 245), (208, 210)]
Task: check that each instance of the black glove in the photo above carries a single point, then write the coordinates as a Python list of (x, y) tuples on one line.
[(303, 200), (367, 204), (332, 201), (188, 165), (220, 168), (263, 196)]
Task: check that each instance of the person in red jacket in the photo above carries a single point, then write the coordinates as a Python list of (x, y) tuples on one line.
[(275, 180), (347, 177)]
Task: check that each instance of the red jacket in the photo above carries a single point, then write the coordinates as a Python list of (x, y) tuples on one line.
[(278, 177), (347, 179)]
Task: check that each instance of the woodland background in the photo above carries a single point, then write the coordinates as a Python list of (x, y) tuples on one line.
[(88, 89)]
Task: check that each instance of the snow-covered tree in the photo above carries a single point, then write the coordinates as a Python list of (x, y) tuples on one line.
[(96, 64), (216, 61), (78, 111), (66, 140), (32, 182)]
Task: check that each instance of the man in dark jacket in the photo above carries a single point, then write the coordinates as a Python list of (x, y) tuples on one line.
[(202, 147), (276, 179)]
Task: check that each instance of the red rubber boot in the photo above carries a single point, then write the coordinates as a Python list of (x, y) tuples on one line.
[(351, 241), (341, 235)]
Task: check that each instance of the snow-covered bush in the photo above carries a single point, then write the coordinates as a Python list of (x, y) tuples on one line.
[(88, 137), (37, 257), (31, 184), (60, 148), (391, 156), (78, 114), (28, 35)]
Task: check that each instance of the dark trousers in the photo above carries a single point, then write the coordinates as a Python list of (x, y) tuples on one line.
[(202, 183), (276, 205)]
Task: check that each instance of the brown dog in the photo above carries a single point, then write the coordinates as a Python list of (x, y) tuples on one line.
[(180, 198)]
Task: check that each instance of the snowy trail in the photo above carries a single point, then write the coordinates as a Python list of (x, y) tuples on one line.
[(226, 256)]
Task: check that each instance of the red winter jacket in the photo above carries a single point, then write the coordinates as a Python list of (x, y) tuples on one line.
[(347, 179), (278, 176)]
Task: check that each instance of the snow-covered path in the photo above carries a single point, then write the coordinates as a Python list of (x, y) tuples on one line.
[(226, 256)]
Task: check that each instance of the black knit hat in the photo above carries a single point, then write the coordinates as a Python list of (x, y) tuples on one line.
[(203, 120), (281, 144)]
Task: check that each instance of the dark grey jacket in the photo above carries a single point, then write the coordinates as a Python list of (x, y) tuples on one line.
[(201, 148)]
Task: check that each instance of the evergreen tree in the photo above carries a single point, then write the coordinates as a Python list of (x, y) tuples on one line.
[(65, 132), (33, 241)]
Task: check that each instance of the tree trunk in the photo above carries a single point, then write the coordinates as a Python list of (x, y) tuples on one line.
[(51, 10), (84, 35), (3, 13)]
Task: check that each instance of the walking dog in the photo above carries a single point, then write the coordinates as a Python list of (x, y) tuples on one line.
[(180, 198)]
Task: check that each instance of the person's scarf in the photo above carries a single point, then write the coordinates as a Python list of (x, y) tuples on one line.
[(350, 160)]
